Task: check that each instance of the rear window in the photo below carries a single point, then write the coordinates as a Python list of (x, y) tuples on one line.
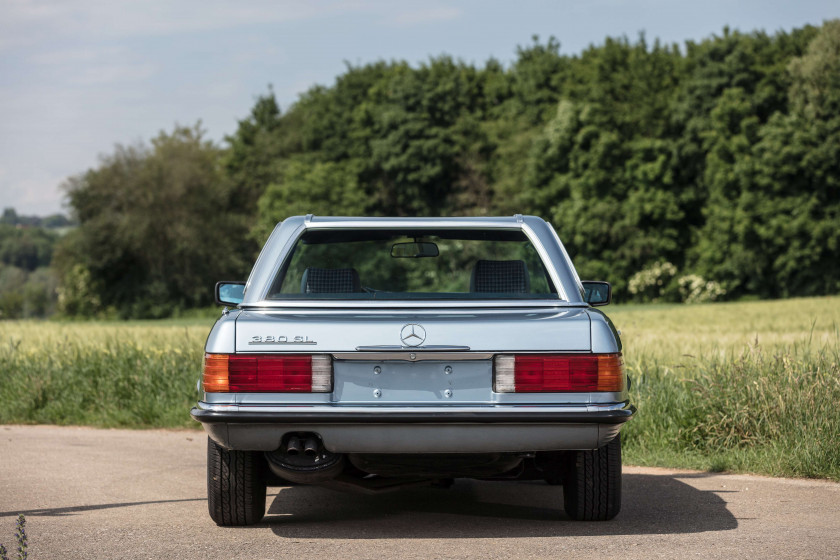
[(413, 264)]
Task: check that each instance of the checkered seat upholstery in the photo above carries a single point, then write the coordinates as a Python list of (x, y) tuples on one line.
[(505, 277), (330, 281)]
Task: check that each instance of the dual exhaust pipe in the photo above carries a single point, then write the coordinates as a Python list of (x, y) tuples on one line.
[(302, 458), (309, 446)]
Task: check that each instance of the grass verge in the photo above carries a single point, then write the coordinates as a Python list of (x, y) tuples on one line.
[(135, 375), (765, 411)]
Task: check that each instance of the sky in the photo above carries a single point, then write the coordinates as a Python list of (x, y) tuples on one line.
[(78, 77)]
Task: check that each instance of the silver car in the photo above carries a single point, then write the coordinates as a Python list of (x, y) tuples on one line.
[(371, 353)]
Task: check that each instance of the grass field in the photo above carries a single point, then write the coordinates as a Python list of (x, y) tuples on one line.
[(748, 387), (736, 386), (110, 374)]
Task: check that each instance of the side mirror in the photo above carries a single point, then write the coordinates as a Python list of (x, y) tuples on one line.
[(230, 293), (597, 293)]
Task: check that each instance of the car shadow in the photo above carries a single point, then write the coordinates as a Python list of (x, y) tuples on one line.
[(72, 510), (651, 504)]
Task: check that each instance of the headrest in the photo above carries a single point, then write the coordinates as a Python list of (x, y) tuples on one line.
[(330, 281), (500, 277)]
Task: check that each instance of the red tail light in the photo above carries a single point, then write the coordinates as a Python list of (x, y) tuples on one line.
[(558, 373), (267, 373)]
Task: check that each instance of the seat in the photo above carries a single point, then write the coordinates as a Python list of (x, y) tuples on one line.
[(330, 281), (505, 277)]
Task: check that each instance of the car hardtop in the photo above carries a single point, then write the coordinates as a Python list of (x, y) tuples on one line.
[(540, 233)]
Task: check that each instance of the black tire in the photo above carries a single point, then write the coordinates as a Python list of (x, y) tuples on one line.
[(592, 485), (235, 485)]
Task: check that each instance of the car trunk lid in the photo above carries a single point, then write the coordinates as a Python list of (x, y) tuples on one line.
[(495, 330)]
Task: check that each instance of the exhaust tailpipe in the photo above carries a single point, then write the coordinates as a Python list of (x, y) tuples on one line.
[(293, 447), (310, 448)]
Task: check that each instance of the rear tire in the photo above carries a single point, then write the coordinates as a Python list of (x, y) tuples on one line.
[(236, 484), (592, 485)]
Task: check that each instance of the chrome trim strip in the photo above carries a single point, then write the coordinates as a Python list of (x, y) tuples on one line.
[(426, 348), (406, 356), (385, 410), (399, 311), (397, 304)]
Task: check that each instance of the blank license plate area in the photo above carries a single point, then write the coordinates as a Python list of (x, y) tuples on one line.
[(425, 382)]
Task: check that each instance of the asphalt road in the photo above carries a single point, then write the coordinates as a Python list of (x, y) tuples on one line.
[(90, 493)]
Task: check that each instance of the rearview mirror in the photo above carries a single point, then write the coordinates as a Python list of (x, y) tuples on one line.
[(414, 250), (230, 293), (597, 293)]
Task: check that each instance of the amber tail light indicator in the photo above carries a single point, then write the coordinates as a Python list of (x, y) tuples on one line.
[(267, 373), (215, 376), (558, 373)]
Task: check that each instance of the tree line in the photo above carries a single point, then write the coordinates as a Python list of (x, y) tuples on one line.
[(698, 172), (27, 283)]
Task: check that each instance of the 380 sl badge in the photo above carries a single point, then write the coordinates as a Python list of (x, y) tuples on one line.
[(256, 340)]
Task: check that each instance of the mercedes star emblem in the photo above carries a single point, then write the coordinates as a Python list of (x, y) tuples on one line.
[(413, 334)]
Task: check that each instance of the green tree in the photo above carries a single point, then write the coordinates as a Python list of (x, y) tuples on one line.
[(773, 215), (708, 156), (157, 226), (311, 187), (252, 160), (27, 248)]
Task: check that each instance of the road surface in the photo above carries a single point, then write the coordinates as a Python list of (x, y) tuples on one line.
[(90, 493)]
